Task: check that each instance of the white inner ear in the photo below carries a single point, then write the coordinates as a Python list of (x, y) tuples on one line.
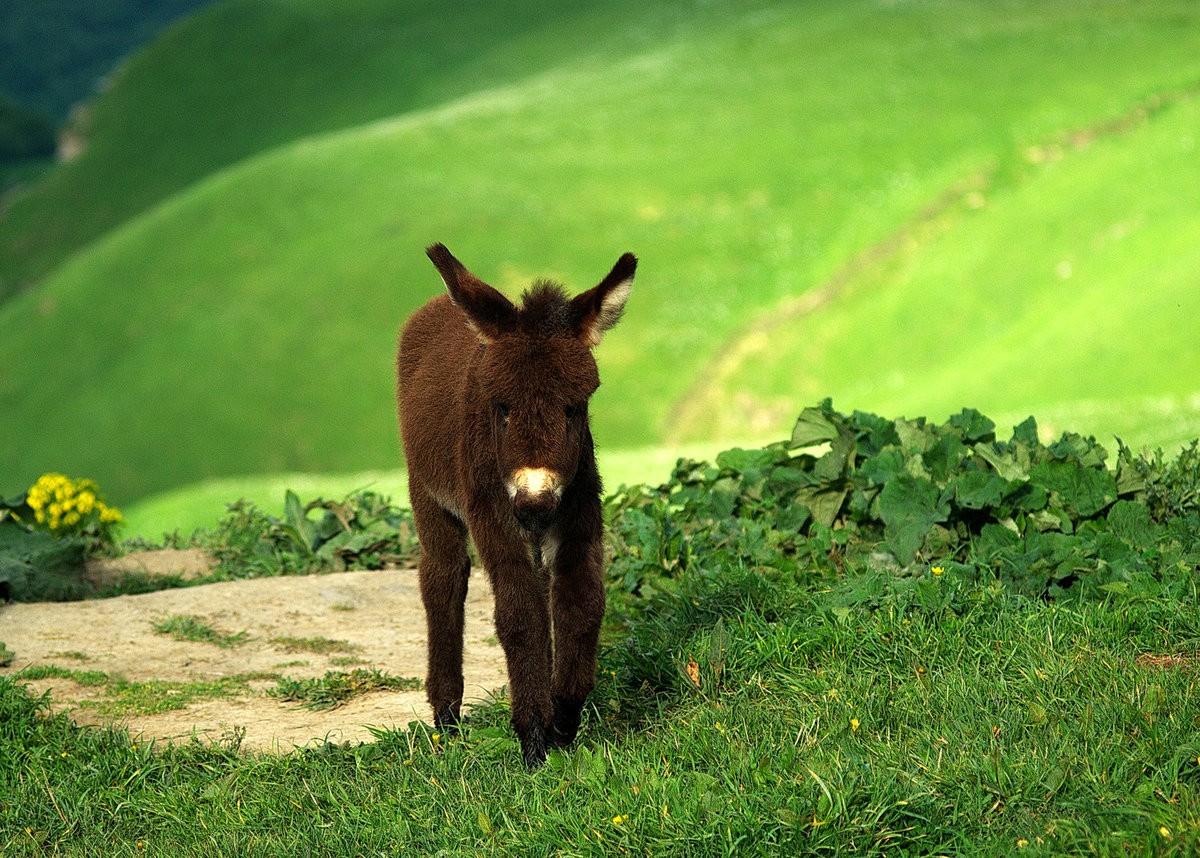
[(610, 311), (479, 335)]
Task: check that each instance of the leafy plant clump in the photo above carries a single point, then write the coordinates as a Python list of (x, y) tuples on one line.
[(46, 535), (363, 531), (904, 495)]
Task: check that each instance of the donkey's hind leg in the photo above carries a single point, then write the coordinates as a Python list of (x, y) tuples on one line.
[(444, 568)]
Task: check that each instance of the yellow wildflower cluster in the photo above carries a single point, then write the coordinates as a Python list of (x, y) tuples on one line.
[(60, 503)]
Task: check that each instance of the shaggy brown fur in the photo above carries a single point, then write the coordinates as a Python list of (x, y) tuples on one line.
[(493, 413)]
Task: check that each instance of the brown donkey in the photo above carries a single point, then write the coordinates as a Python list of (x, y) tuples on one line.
[(493, 406)]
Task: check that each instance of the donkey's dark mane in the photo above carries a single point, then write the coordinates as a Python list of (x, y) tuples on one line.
[(545, 309)]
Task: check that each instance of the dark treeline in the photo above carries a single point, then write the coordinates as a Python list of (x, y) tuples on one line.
[(53, 53)]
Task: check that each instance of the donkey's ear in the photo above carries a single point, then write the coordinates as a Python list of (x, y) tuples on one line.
[(488, 312), (600, 307)]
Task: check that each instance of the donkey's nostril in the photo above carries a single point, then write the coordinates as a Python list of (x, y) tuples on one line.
[(535, 512), (535, 494)]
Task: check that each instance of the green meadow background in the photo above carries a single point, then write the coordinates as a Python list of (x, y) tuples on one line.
[(910, 207)]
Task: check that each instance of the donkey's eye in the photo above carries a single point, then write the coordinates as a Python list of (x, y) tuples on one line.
[(502, 410), (573, 411)]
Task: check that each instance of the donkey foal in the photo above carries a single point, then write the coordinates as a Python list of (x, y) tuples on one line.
[(493, 403)]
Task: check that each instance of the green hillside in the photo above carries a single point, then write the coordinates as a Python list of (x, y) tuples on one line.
[(1066, 292), (749, 155), (245, 76)]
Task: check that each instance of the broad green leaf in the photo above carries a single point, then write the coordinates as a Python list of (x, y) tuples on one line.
[(1004, 461), (35, 566), (1084, 491), (995, 541), (793, 517), (910, 507), (979, 489), (1085, 450), (823, 503), (1047, 520), (1025, 497), (883, 466), (1131, 479), (873, 432), (814, 426), (914, 466), (1026, 432), (943, 458), (837, 463), (746, 461), (297, 519), (1130, 521), (973, 425), (915, 436)]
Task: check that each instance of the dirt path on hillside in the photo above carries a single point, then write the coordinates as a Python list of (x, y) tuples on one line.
[(368, 620), (756, 418)]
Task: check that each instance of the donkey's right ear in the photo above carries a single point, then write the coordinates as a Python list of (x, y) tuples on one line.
[(488, 312)]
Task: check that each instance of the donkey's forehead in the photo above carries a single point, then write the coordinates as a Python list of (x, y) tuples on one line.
[(550, 366)]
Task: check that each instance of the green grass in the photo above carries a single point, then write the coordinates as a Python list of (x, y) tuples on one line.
[(186, 627), (336, 688), (123, 697), (996, 726), (319, 645), (245, 323), (767, 685)]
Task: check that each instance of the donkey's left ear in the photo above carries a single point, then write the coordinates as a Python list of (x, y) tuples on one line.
[(600, 307)]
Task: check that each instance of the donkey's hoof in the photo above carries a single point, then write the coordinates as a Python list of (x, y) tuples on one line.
[(564, 728), (533, 746), (447, 720)]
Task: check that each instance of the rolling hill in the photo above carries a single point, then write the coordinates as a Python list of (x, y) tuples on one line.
[(908, 207)]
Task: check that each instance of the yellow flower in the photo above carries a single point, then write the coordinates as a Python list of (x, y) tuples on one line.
[(619, 819), (60, 503), (1164, 832), (937, 570), (854, 725), (1022, 843)]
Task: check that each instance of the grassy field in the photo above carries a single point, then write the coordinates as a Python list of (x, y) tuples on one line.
[(844, 719), (773, 679), (1035, 322), (240, 318)]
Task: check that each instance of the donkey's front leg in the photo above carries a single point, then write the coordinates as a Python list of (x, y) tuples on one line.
[(577, 601), (444, 569), (523, 627)]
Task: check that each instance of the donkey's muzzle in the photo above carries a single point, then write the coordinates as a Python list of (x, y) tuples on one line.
[(535, 494)]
